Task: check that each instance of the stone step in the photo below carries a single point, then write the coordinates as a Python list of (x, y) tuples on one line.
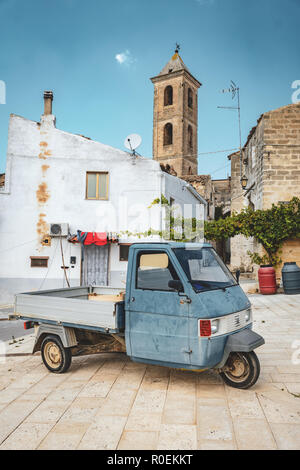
[(247, 276)]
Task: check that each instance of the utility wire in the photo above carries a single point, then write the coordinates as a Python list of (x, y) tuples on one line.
[(218, 151), (17, 246), (49, 267)]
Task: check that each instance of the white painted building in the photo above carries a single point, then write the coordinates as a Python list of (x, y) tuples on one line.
[(54, 177)]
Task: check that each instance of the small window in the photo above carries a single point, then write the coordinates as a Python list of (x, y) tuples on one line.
[(124, 252), (190, 98), (168, 96), (168, 134), (154, 271), (39, 261), (97, 185)]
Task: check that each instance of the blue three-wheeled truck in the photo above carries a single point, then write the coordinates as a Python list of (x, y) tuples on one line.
[(181, 308)]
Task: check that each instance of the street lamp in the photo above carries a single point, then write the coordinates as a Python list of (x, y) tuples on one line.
[(244, 181)]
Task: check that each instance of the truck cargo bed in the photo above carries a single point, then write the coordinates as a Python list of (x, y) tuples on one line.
[(75, 307)]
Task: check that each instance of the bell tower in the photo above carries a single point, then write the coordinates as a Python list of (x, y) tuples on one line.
[(175, 117)]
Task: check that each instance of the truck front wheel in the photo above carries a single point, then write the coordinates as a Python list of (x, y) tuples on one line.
[(56, 358), (241, 370)]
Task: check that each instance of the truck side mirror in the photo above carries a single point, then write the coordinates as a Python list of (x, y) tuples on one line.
[(237, 275), (176, 285)]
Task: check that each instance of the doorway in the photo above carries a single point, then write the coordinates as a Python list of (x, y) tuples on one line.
[(95, 265)]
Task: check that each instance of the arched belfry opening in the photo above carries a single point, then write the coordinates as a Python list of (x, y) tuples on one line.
[(168, 96), (190, 98), (168, 134), (190, 137)]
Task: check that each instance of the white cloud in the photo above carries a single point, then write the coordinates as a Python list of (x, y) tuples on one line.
[(125, 58)]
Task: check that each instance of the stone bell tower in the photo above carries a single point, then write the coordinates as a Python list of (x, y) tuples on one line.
[(175, 117)]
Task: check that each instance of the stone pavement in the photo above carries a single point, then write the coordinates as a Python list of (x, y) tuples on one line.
[(109, 402)]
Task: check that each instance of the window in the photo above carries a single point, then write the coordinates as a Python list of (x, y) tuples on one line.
[(204, 269), (124, 252), (168, 96), (168, 134), (39, 261), (154, 271), (190, 98), (96, 185), (190, 137)]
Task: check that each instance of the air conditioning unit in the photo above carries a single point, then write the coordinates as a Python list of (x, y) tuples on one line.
[(59, 230)]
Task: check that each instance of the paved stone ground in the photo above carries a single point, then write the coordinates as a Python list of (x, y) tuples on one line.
[(109, 402)]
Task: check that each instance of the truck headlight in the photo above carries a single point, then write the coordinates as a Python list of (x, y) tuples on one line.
[(248, 315), (214, 326)]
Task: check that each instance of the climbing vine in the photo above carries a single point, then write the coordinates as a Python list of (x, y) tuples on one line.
[(270, 228)]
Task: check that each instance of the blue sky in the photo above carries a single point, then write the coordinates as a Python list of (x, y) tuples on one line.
[(97, 56)]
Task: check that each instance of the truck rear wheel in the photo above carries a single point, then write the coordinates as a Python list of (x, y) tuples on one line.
[(56, 358), (241, 370)]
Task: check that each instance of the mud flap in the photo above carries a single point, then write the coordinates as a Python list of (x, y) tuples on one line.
[(66, 335), (242, 341)]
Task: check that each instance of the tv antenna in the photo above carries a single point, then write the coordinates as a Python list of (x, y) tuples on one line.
[(132, 142), (235, 91)]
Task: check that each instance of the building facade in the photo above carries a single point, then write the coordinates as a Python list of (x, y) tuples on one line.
[(271, 164), (55, 178)]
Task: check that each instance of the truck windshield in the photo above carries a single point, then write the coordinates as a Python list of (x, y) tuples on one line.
[(204, 269)]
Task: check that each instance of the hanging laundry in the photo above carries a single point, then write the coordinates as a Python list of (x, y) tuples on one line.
[(93, 238)]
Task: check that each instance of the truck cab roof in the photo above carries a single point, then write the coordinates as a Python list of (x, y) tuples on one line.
[(171, 245)]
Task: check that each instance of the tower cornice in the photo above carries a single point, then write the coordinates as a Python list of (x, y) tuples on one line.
[(168, 76)]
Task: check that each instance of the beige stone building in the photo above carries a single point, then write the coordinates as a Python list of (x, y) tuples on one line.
[(271, 163), (221, 190)]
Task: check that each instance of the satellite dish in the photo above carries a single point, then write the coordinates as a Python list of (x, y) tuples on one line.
[(132, 142)]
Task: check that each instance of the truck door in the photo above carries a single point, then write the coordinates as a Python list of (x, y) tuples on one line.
[(157, 320)]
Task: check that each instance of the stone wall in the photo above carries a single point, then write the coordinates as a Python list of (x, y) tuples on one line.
[(203, 185), (222, 194), (281, 179), (271, 158), (239, 245), (290, 252)]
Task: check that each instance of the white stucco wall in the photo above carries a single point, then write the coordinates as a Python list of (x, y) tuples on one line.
[(46, 183)]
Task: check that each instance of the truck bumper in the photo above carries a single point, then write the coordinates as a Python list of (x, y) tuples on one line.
[(242, 341)]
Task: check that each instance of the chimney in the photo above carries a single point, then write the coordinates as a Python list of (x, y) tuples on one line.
[(48, 98)]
